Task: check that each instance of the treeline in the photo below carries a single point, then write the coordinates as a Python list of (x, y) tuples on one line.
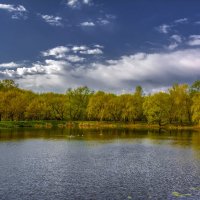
[(179, 105)]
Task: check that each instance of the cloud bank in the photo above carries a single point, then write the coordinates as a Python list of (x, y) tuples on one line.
[(152, 71)]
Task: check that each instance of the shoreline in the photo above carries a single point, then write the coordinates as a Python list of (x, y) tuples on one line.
[(91, 125)]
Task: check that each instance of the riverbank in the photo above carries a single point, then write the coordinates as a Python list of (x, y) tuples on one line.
[(89, 124)]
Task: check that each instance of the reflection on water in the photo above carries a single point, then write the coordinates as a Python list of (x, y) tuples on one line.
[(182, 138), (99, 164)]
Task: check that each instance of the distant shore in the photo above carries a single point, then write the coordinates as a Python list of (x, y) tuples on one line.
[(91, 124)]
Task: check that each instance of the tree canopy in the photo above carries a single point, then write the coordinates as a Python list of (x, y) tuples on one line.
[(180, 104)]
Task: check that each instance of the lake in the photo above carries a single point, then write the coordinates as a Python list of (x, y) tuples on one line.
[(99, 164)]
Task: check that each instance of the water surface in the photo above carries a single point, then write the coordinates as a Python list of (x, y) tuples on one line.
[(99, 164)]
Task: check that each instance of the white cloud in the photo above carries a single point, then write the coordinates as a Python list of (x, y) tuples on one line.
[(74, 58), (87, 24), (92, 51), (110, 16), (52, 20), (72, 3), (7, 73), (182, 20), (62, 52), (78, 3), (197, 22), (149, 70), (18, 11), (98, 46), (48, 67), (46, 76), (57, 52), (32, 70), (177, 38), (86, 1), (12, 8), (107, 19), (83, 49), (9, 65), (152, 71), (76, 49), (194, 40), (102, 21), (172, 46), (99, 21), (164, 28)]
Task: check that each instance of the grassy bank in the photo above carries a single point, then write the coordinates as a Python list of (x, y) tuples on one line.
[(87, 124)]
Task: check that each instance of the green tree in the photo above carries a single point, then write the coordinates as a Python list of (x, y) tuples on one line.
[(138, 102), (1, 104), (11, 104), (8, 84), (38, 109), (196, 109), (97, 106), (77, 101), (129, 109), (195, 87), (58, 105), (19, 103), (156, 108), (180, 103), (114, 108), (132, 105)]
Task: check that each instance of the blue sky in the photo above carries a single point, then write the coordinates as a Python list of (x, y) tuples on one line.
[(52, 45)]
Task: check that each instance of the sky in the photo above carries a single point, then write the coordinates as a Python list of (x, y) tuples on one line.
[(115, 45)]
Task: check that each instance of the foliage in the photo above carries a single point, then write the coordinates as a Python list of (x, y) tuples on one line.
[(196, 108), (98, 106), (195, 87), (7, 84), (180, 104), (156, 108), (77, 101)]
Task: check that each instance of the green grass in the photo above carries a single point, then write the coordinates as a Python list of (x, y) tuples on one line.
[(24, 124), (87, 124)]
